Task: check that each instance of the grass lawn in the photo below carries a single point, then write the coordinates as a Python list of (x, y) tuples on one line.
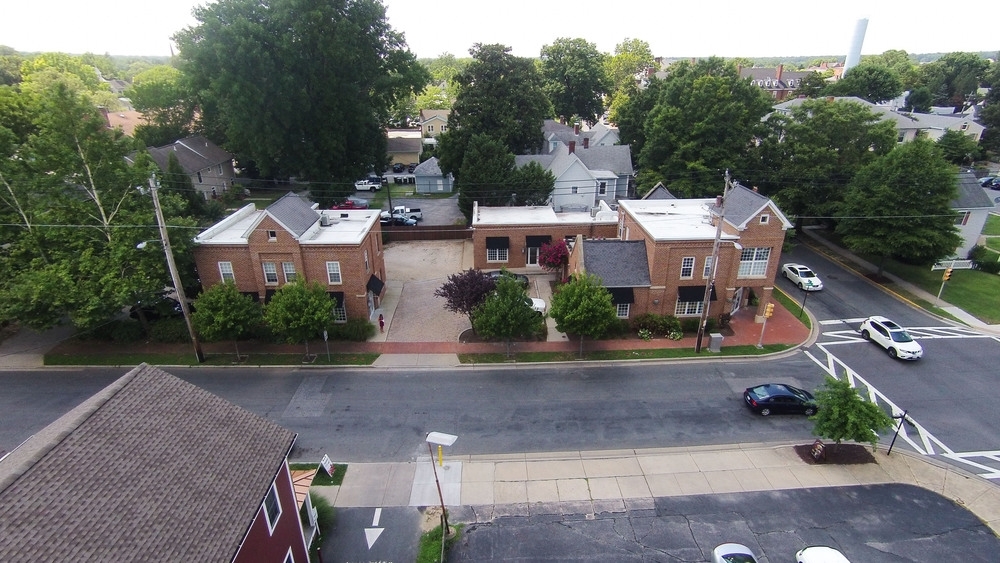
[(992, 227), (188, 359), (617, 355), (322, 479)]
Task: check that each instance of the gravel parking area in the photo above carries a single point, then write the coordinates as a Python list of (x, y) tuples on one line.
[(416, 270)]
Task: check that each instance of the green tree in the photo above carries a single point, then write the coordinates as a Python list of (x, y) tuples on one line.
[(299, 311), (299, 87), (810, 154), (161, 95), (506, 313), (486, 175), (868, 81), (223, 313), (990, 116), (900, 63), (532, 185), (958, 148), (845, 415), (813, 84), (583, 307), (631, 58), (954, 78), (499, 95), (632, 114), (575, 78), (899, 206), (919, 100), (703, 123), (465, 291)]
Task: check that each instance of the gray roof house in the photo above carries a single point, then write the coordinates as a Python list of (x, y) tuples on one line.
[(621, 265), (429, 179), (209, 167), (559, 134), (973, 207), (659, 191), (585, 176), (151, 468)]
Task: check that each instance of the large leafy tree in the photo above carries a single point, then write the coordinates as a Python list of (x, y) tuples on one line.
[(300, 87), (812, 84), (868, 81), (900, 63), (160, 93), (506, 313), (899, 206), (223, 313), (575, 78), (465, 291), (486, 175), (954, 78), (583, 307), (631, 58), (810, 154), (958, 148), (631, 115), (299, 311), (990, 116), (703, 123), (499, 95), (532, 185), (845, 415)]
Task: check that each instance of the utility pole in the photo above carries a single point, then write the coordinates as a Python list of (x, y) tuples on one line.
[(706, 303), (154, 184)]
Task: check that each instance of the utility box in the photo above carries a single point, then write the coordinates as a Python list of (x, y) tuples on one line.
[(715, 342)]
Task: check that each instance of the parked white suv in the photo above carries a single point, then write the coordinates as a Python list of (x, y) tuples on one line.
[(894, 338)]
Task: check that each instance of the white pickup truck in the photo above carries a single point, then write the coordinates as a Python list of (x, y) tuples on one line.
[(368, 185), (404, 212)]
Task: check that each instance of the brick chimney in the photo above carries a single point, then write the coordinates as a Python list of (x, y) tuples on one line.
[(777, 71), (576, 128), (572, 147), (586, 142)]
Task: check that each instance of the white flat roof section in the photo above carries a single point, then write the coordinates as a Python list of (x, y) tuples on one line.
[(674, 219), (348, 226), (538, 215)]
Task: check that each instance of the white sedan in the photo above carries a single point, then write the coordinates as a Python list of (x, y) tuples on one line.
[(802, 276), (733, 553), (894, 338), (820, 554)]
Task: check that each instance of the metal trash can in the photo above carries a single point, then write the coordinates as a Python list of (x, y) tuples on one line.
[(715, 342)]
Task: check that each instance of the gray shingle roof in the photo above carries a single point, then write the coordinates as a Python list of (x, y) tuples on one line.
[(404, 144), (616, 158), (619, 263), (970, 193), (429, 167), (742, 204), (194, 154), (294, 212), (659, 191), (151, 468)]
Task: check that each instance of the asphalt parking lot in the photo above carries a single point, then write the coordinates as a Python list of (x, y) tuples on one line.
[(879, 523)]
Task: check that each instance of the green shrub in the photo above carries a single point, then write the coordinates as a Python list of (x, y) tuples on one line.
[(648, 321), (690, 324), (122, 332), (354, 330), (170, 331), (985, 259), (671, 324)]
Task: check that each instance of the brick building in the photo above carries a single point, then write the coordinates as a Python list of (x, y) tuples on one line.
[(261, 250), (661, 260), (511, 237)]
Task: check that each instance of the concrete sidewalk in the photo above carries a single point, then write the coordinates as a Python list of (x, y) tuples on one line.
[(589, 482)]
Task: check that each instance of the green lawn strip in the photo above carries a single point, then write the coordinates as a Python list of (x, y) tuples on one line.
[(992, 227), (430, 544), (126, 359), (613, 355), (322, 479), (793, 307), (993, 243)]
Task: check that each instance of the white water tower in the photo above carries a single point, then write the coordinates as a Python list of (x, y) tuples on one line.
[(854, 53)]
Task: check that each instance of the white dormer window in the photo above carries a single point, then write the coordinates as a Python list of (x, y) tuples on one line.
[(965, 125), (272, 236), (764, 219)]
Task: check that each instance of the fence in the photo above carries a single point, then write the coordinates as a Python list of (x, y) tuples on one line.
[(401, 233)]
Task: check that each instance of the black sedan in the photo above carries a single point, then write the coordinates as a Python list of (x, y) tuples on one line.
[(779, 398)]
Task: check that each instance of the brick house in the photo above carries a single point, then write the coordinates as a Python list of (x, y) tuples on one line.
[(662, 258), (511, 237), (152, 468), (777, 82), (261, 250)]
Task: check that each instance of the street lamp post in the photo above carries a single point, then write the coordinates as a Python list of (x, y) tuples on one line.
[(154, 184), (441, 439)]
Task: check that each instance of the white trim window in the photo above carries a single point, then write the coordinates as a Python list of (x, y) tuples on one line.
[(707, 272), (272, 508), (288, 269), (602, 188), (226, 271), (688, 308), (339, 314), (496, 254), (687, 267), (333, 273), (764, 219), (753, 262), (622, 310), (270, 273), (367, 267)]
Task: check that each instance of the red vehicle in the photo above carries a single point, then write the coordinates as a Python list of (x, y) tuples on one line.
[(352, 203)]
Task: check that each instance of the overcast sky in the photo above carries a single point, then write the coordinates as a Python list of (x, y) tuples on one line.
[(730, 28)]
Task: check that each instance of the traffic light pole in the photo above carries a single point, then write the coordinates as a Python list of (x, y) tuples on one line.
[(768, 311), (944, 279)]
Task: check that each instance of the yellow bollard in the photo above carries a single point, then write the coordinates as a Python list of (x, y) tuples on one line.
[(440, 456)]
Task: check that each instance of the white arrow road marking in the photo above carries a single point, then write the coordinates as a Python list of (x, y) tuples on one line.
[(372, 534)]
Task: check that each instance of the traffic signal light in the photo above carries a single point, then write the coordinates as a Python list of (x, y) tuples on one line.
[(947, 274), (768, 310)]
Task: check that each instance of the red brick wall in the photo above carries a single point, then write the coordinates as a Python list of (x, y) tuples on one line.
[(516, 255)]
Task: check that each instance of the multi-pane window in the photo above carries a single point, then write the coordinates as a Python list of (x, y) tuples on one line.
[(270, 273), (272, 508), (602, 188), (288, 268), (430, 128), (496, 254), (622, 310), (687, 308), (444, 128), (707, 272), (226, 271), (339, 314), (367, 269), (333, 272), (753, 262), (575, 190), (687, 267)]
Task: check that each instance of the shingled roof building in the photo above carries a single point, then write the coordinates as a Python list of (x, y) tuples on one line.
[(152, 468), (209, 167), (261, 250)]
